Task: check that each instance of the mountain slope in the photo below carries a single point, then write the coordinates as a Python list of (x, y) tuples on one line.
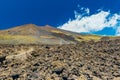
[(31, 33)]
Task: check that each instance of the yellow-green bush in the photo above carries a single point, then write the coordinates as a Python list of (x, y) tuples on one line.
[(17, 38), (6, 37), (88, 38)]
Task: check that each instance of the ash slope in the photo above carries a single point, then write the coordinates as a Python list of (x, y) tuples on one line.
[(33, 34)]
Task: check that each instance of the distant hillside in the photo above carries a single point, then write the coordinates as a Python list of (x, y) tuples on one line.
[(31, 33)]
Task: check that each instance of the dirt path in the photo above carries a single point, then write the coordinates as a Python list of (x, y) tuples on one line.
[(22, 55)]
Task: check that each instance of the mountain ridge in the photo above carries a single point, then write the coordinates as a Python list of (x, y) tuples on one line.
[(42, 34)]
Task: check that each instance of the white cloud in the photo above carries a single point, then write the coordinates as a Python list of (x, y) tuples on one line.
[(91, 23), (87, 10)]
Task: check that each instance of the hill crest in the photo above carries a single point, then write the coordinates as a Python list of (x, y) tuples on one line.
[(42, 34)]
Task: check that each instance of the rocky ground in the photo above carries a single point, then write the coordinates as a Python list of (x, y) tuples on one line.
[(83, 61)]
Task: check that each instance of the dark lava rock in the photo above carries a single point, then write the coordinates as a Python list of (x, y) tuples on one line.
[(2, 58), (91, 59)]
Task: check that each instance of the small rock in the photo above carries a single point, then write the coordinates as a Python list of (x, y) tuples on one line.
[(116, 78)]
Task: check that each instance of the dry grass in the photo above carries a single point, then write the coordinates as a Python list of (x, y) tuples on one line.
[(49, 37), (16, 39), (5, 37), (25, 38), (88, 38), (60, 32), (56, 31), (91, 37)]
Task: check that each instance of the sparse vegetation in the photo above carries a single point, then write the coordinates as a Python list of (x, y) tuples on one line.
[(15, 39), (88, 38), (49, 37), (6, 37), (33, 34), (56, 31)]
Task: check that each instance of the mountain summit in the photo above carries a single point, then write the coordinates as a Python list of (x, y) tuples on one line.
[(28, 29)]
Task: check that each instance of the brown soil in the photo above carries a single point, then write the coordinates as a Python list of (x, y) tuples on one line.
[(82, 61)]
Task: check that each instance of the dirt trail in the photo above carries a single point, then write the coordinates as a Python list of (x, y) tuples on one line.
[(22, 55)]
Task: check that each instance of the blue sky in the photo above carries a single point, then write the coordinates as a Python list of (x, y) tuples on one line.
[(88, 16)]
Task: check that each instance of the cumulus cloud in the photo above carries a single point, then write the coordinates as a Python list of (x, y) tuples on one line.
[(92, 23), (86, 10)]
